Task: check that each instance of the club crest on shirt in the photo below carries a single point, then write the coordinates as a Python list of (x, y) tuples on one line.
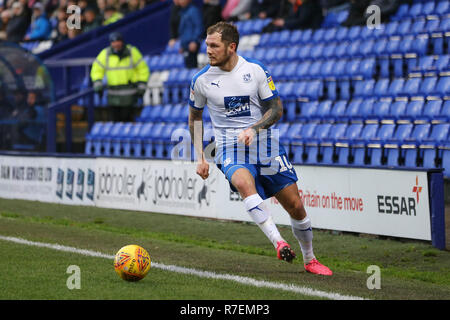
[(247, 77)]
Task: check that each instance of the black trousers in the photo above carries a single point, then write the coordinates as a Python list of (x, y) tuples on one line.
[(117, 114), (190, 59)]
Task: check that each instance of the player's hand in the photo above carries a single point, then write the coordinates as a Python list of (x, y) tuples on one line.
[(203, 169), (247, 136), (193, 46)]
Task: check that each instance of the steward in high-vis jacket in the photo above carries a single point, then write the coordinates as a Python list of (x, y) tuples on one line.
[(126, 73)]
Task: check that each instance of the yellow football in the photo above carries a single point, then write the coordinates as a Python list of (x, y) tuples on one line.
[(132, 262)]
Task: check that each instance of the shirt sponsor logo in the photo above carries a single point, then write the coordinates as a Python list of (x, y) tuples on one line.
[(237, 106)]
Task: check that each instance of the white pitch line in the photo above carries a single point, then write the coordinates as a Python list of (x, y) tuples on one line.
[(200, 273)]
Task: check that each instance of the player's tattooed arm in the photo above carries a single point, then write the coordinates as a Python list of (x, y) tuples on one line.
[(196, 128), (273, 112)]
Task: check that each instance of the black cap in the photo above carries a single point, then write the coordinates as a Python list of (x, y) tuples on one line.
[(115, 36)]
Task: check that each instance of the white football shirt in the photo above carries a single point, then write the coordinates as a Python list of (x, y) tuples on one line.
[(232, 97)]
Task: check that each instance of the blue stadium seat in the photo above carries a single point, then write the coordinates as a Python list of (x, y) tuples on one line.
[(97, 139), (390, 29), (367, 68), (431, 111), (307, 110), (403, 27), (411, 87), (343, 145), (291, 134), (443, 87), (395, 87), (442, 7), (337, 111), (290, 69), (381, 88), (375, 146), (295, 37), (363, 88), (365, 110), (414, 109), (354, 33), (127, 141), (402, 132), (397, 110), (352, 110), (94, 133), (429, 147), (432, 26), (311, 146), (286, 90), (442, 64), (302, 70), (298, 142), (341, 33), (401, 13), (112, 136), (139, 141), (315, 69), (381, 110), (340, 51), (418, 26), (162, 141), (323, 111), (117, 140), (358, 145), (304, 52), (427, 87), (339, 69), (328, 142), (292, 53)]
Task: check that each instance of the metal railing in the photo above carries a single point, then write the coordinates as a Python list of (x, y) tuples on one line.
[(65, 106)]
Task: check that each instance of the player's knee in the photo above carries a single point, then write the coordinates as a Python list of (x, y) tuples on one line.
[(296, 209), (244, 186)]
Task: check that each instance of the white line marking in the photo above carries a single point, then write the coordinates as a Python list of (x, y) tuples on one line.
[(200, 273)]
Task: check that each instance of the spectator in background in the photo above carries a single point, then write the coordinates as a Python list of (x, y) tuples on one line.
[(228, 8), (238, 13), (387, 7), (91, 20), (40, 28), (18, 24), (212, 13), (131, 6), (304, 14), (263, 9), (174, 22), (4, 19), (356, 13), (111, 15), (126, 74), (326, 4), (27, 10), (62, 32), (190, 31), (35, 115), (73, 32), (101, 5)]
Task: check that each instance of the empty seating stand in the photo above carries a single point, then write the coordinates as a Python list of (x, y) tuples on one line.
[(352, 96)]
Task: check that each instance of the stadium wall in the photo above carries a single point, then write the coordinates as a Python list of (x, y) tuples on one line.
[(398, 203)]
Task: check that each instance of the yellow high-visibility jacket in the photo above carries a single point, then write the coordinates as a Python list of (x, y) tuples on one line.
[(131, 69)]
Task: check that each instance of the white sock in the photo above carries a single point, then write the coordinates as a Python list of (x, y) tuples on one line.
[(260, 214), (303, 232)]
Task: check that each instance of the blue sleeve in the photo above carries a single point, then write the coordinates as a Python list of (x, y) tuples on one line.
[(198, 28), (41, 30)]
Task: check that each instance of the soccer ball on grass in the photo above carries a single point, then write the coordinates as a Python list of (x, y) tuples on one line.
[(132, 262)]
